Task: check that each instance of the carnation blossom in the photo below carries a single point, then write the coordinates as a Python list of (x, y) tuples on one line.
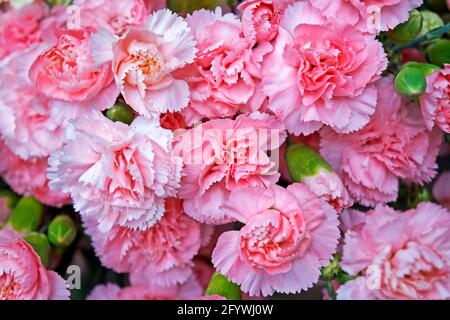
[(22, 275), (64, 72), (435, 102), (28, 177), (370, 16), (117, 16), (186, 291), (224, 156), (144, 60), (22, 27), (400, 255), (27, 125), (161, 255), (441, 190), (288, 235), (116, 173), (395, 144), (260, 18), (224, 77), (321, 73)]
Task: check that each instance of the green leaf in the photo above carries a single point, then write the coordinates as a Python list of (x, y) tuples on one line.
[(221, 286), (27, 215)]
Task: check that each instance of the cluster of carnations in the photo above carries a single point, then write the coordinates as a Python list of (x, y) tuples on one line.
[(263, 145)]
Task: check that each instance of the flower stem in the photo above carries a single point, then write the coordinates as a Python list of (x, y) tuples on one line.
[(432, 35)]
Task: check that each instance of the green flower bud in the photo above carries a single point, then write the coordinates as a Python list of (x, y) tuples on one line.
[(120, 112), (439, 52), (431, 21), (304, 161), (27, 215), (409, 30), (62, 231), (425, 68), (189, 6), (410, 82), (40, 244), (221, 286)]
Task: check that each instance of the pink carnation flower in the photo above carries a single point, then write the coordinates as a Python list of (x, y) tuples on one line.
[(117, 16), (400, 255), (161, 255), (116, 173), (441, 189), (64, 72), (224, 155), (144, 60), (28, 177), (329, 187), (187, 291), (373, 15), (260, 18), (27, 125), (395, 144), (289, 234), (22, 275), (435, 102), (20, 28), (224, 77), (321, 73)]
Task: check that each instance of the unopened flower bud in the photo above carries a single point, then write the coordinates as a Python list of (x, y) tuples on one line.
[(27, 215), (408, 30), (40, 244), (410, 82), (425, 68), (430, 22), (304, 161), (120, 112), (307, 166), (439, 52), (221, 286), (62, 231)]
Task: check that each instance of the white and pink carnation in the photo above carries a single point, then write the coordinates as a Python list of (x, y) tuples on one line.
[(118, 174), (144, 60)]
